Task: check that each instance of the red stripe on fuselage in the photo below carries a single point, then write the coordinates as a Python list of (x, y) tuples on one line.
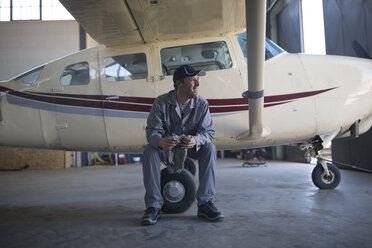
[(267, 99), (143, 104)]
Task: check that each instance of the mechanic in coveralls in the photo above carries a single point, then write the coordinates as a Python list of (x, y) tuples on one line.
[(181, 111)]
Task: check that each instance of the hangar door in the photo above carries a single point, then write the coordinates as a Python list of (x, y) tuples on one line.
[(290, 27), (348, 26)]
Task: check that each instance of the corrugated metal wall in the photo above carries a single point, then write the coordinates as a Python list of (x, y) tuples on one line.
[(28, 44), (289, 22), (348, 23), (348, 31)]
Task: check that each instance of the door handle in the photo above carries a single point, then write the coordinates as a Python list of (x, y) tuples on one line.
[(61, 125), (56, 89), (112, 97)]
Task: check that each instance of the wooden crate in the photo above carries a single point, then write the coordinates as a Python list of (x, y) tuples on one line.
[(17, 158)]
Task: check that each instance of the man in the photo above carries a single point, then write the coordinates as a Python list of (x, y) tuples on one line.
[(181, 111)]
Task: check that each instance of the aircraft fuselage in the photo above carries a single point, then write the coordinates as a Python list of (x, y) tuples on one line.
[(98, 99)]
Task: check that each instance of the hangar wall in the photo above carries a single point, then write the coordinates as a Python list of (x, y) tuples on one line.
[(289, 22), (28, 44), (348, 23), (24, 45), (17, 158)]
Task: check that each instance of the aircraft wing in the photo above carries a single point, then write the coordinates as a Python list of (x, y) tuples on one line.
[(119, 22), (122, 22)]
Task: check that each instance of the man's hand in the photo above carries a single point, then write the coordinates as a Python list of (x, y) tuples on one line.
[(166, 144), (188, 143)]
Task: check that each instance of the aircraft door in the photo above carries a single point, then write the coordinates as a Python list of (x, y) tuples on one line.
[(128, 94), (78, 102), (222, 82)]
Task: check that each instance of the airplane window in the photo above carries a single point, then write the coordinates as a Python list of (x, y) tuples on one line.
[(75, 74), (271, 49), (126, 67), (206, 56), (30, 76)]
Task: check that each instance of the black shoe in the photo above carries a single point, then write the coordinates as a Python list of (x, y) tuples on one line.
[(210, 212), (151, 216)]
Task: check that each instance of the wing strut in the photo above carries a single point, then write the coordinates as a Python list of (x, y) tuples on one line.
[(255, 23)]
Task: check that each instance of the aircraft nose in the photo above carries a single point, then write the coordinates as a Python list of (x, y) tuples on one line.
[(358, 70), (365, 89), (367, 74)]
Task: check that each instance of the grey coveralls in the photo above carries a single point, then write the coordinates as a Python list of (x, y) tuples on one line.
[(164, 120)]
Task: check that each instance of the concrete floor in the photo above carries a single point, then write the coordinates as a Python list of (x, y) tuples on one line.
[(273, 206)]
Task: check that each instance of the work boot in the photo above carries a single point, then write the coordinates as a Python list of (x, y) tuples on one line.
[(151, 216), (209, 212)]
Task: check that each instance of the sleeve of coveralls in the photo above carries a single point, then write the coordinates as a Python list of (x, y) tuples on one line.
[(205, 131), (154, 128)]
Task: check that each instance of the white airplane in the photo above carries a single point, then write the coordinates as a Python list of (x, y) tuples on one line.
[(98, 99)]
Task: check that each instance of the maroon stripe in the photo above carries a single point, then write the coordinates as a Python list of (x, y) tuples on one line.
[(286, 97), (131, 103), (230, 101), (144, 100), (60, 101), (212, 102), (274, 104), (267, 99), (228, 109), (240, 108), (83, 103), (90, 97), (128, 107)]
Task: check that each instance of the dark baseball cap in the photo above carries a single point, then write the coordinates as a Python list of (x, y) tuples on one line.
[(186, 71)]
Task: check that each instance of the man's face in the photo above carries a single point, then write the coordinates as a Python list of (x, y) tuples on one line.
[(190, 86)]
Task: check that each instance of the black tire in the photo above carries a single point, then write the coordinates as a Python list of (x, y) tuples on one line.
[(322, 181), (190, 165), (182, 201)]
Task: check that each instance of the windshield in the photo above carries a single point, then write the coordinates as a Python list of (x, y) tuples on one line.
[(30, 76), (271, 49), (205, 56)]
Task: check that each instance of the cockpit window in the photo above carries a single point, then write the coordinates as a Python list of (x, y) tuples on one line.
[(30, 76), (126, 67), (206, 56), (75, 74), (271, 49)]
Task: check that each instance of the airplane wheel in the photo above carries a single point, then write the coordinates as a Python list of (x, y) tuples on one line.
[(190, 165), (322, 181), (178, 190)]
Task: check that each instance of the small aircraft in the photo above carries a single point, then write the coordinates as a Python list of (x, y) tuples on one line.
[(98, 99)]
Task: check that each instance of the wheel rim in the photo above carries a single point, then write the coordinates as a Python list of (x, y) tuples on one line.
[(174, 191), (328, 179)]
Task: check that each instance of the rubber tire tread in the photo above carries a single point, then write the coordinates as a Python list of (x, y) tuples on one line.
[(190, 165), (187, 179), (316, 176)]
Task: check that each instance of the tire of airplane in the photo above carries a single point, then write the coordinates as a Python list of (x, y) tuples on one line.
[(322, 181), (190, 165), (178, 191)]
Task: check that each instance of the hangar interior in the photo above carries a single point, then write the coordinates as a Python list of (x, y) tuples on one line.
[(272, 205), (26, 44)]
